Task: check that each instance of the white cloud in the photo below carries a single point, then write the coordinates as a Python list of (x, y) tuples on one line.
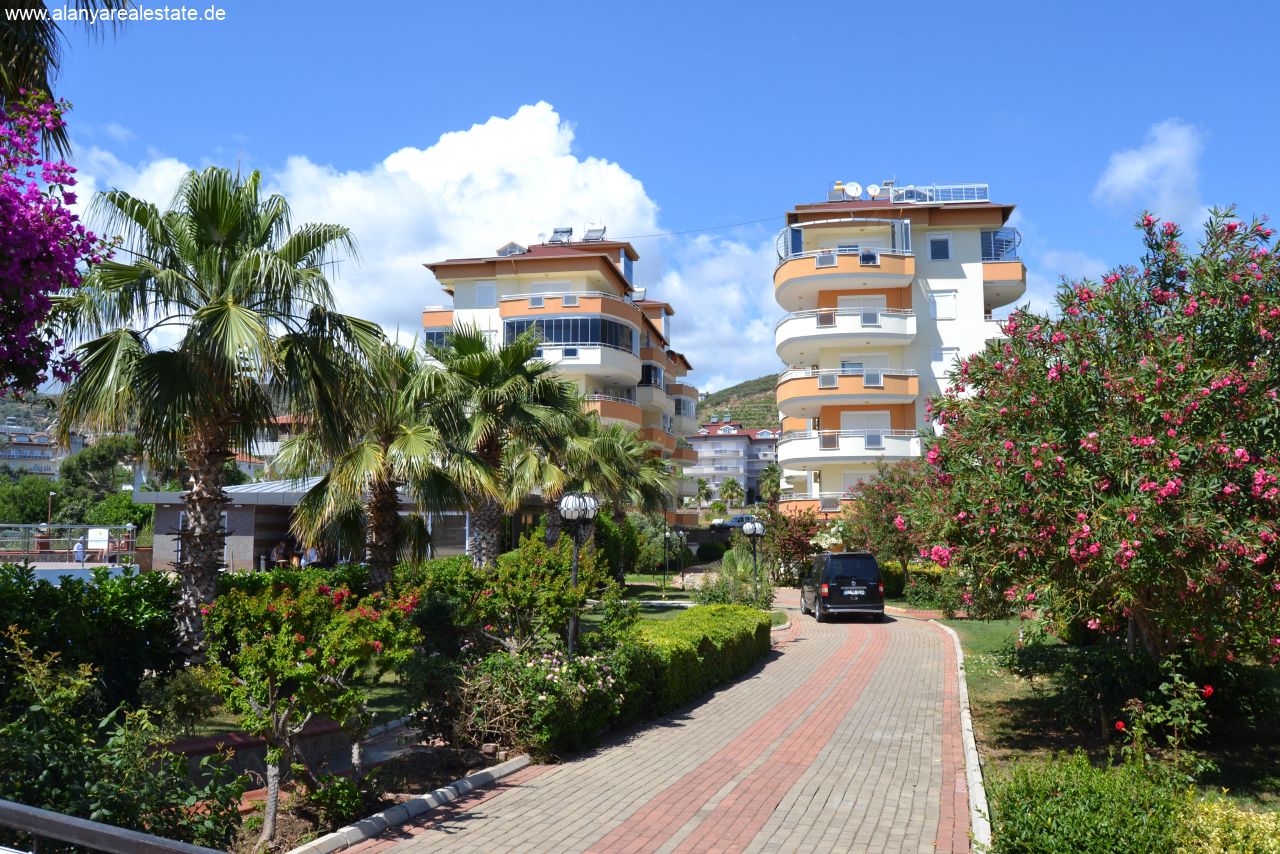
[(722, 291), (118, 132), (1162, 174), (508, 178)]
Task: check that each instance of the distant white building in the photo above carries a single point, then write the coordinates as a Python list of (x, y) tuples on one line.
[(727, 450), (34, 451)]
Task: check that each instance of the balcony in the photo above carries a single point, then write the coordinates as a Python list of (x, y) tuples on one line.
[(802, 275), (807, 448), (562, 303), (799, 335), (1004, 277), (685, 456), (803, 392), (822, 502), (653, 398), (683, 425), (606, 364), (613, 410), (659, 437), (682, 390)]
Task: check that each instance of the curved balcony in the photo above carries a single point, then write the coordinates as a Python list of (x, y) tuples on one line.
[(1002, 282), (799, 335), (659, 437), (806, 449), (802, 275), (684, 425), (685, 456), (570, 303), (607, 364), (653, 398), (613, 410), (802, 392)]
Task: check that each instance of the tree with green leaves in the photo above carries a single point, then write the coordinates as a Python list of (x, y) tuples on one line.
[(770, 483), (732, 493), (249, 295), (500, 411), (387, 443), (703, 493), (883, 519)]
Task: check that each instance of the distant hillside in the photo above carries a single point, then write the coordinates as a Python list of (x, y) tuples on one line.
[(36, 414), (752, 402)]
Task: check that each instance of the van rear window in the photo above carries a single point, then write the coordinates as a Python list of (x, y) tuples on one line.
[(852, 568)]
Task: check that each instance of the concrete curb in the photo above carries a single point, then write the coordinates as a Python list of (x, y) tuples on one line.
[(979, 821), (783, 627), (388, 726), (370, 827)]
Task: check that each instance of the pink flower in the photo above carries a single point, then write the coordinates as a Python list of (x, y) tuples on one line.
[(377, 646), (899, 523), (1094, 623), (1207, 691)]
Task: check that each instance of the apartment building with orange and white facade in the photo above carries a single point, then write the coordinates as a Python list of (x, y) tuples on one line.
[(882, 294), (598, 329)]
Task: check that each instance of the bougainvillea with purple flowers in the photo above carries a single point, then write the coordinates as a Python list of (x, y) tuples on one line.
[(1122, 462), (42, 245)]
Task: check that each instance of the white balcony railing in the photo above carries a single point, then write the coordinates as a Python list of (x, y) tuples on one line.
[(818, 446), (888, 324), (867, 257), (870, 377)]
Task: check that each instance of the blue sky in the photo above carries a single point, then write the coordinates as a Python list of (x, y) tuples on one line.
[(671, 116)]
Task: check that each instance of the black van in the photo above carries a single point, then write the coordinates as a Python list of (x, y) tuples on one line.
[(843, 583)]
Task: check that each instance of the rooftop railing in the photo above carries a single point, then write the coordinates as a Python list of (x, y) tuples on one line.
[(932, 194)]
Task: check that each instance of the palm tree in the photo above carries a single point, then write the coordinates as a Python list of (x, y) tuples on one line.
[(704, 493), (731, 492), (770, 483), (31, 51), (391, 444), (247, 296), (500, 412)]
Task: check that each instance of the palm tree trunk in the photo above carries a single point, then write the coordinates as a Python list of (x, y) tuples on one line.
[(203, 538), (486, 530), (554, 523), (383, 511)]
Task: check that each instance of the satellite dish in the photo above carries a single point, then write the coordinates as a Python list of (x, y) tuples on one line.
[(853, 190), (873, 190)]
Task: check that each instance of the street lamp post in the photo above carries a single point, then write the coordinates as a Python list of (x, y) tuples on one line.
[(666, 558), (577, 509), (51, 494), (681, 540), (754, 531)]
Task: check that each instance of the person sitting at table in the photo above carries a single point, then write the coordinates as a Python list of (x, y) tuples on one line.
[(280, 554)]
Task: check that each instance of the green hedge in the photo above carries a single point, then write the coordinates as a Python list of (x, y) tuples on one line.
[(1068, 804), (685, 657)]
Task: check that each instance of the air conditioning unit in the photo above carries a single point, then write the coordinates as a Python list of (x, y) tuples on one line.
[(825, 259), (569, 299), (875, 441), (828, 380), (535, 302), (873, 379)]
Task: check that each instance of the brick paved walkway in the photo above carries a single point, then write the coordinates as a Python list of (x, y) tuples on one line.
[(846, 739)]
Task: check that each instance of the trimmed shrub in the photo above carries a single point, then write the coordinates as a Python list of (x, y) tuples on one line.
[(710, 551), (702, 648), (894, 581), (1067, 804), (122, 626), (1217, 827), (933, 587)]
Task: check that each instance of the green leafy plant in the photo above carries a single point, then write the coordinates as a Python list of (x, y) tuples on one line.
[(182, 699)]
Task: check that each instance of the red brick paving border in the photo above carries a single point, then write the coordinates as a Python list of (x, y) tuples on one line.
[(667, 812), (953, 817), (742, 813)]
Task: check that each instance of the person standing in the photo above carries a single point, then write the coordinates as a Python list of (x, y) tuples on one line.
[(80, 550)]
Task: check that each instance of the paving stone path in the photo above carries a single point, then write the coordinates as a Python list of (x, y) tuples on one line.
[(846, 739)]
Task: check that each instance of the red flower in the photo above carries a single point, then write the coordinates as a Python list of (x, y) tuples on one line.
[(1119, 726), (1207, 691)]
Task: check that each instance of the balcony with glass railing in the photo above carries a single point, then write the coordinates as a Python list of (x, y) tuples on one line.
[(802, 392), (1004, 276), (799, 335), (822, 502)]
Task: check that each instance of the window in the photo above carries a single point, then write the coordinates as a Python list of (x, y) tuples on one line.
[(650, 375), (435, 336), (486, 294), (581, 331), (847, 248), (942, 305), (943, 359), (940, 247)]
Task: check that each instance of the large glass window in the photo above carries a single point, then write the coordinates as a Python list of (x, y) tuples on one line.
[(436, 335), (576, 330), (650, 375)]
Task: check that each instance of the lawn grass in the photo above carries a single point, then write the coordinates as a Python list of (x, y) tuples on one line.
[(778, 618), (1013, 722)]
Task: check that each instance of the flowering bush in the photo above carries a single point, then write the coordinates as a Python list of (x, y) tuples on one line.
[(1122, 462), (882, 518), (299, 648), (541, 701), (41, 245), (787, 545)]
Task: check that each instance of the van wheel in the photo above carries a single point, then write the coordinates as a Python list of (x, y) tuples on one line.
[(878, 618), (817, 613), (803, 608)]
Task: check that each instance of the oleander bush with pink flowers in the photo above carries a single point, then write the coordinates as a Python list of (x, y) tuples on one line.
[(1120, 463)]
